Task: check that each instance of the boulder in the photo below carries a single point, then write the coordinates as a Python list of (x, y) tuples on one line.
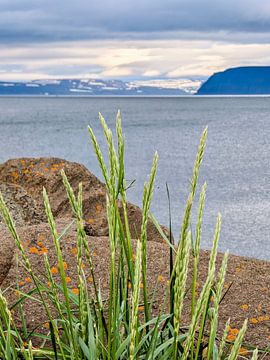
[(32, 174)]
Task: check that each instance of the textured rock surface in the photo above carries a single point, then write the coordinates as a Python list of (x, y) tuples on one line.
[(247, 281), (34, 174), (22, 206), (37, 240)]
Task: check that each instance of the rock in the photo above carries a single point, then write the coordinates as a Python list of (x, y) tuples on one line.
[(22, 207), (247, 278), (37, 240), (21, 183), (7, 249), (33, 174)]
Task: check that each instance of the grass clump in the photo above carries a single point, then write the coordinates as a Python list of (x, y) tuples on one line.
[(84, 327)]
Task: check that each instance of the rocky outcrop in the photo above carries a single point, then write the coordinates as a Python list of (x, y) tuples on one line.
[(21, 183), (247, 278), (37, 240), (31, 175), (247, 80)]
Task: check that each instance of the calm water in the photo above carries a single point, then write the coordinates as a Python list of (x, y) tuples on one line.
[(236, 166)]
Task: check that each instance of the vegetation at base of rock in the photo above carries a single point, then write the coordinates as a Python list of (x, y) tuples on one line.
[(125, 325)]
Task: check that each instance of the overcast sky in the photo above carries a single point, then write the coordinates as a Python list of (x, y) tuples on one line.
[(126, 39)]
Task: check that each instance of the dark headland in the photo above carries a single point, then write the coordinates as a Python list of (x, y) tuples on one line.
[(249, 80)]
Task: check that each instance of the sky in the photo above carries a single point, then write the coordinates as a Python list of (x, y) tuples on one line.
[(131, 40)]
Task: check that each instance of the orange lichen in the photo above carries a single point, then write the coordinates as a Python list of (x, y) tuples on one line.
[(54, 270), (160, 278), (15, 175), (234, 331), (65, 265), (141, 285), (90, 279), (90, 221), (28, 280), (141, 308), (253, 321), (245, 306), (74, 251), (75, 291), (243, 351), (98, 208), (46, 325), (21, 283), (68, 279), (94, 253), (231, 337), (38, 173), (56, 167), (33, 250), (43, 251)]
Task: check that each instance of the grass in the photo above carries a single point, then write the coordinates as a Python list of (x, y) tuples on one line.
[(84, 327)]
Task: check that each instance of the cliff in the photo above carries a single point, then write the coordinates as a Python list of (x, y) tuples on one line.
[(250, 80)]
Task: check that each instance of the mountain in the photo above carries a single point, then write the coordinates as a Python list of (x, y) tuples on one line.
[(189, 86), (249, 80), (94, 87)]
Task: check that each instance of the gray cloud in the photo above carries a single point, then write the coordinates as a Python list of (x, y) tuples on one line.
[(31, 21)]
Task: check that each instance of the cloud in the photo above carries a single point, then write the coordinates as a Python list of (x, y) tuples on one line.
[(127, 59), (29, 21), (131, 39)]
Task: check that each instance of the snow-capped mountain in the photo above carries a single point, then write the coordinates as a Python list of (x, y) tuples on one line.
[(189, 86), (95, 87)]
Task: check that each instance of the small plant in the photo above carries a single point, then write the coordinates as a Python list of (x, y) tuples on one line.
[(87, 327)]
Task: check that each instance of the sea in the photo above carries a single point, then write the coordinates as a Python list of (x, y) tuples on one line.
[(236, 165)]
